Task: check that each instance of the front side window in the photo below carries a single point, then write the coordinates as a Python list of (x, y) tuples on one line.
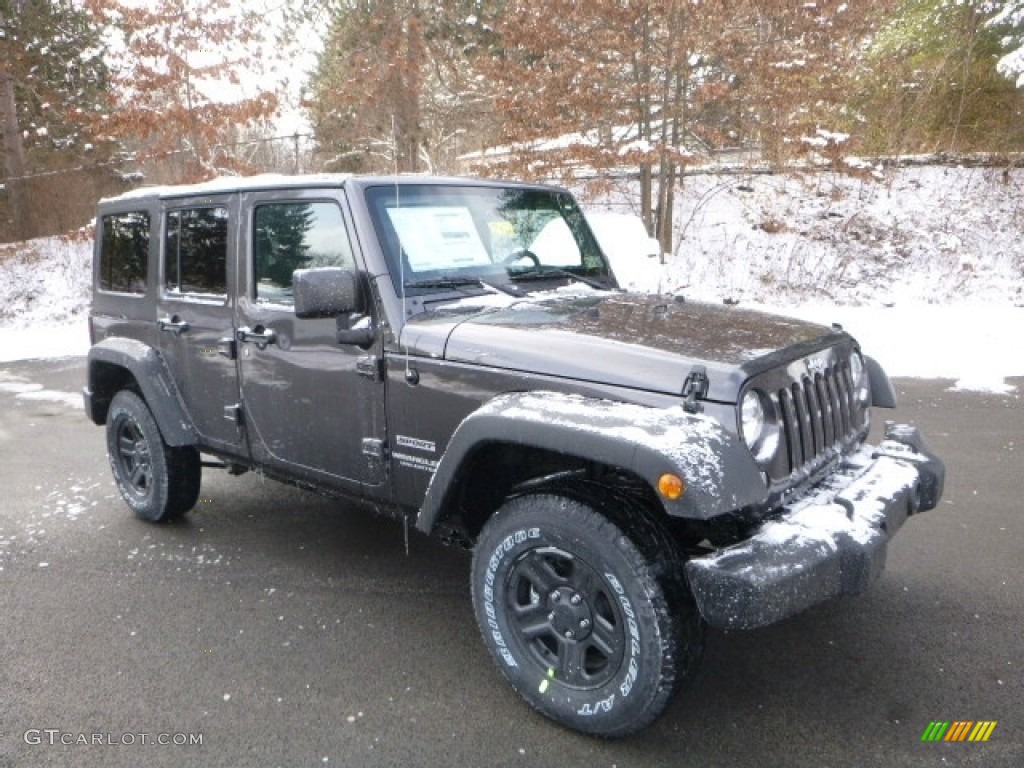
[(290, 236), (124, 252), (196, 250)]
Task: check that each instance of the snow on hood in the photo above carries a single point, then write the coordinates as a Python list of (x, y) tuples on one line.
[(630, 340)]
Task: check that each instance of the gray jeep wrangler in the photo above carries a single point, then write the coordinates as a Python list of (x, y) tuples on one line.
[(627, 469)]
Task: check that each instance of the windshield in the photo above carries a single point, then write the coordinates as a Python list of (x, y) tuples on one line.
[(437, 237)]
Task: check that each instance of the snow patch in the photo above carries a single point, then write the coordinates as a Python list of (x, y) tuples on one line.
[(22, 389), (691, 441), (44, 342)]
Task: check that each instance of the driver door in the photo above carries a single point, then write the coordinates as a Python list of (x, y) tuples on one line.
[(313, 407)]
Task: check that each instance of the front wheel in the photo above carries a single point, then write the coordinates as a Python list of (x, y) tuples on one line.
[(571, 608), (159, 482)]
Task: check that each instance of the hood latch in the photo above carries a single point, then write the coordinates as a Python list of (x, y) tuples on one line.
[(695, 388)]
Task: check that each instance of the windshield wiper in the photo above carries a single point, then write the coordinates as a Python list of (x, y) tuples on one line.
[(539, 273), (458, 283)]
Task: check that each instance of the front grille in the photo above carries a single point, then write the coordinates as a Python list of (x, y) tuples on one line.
[(818, 414)]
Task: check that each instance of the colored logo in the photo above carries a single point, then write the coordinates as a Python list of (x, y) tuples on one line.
[(959, 730)]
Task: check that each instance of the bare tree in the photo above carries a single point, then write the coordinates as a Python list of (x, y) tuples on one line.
[(597, 86), (179, 84), (393, 88)]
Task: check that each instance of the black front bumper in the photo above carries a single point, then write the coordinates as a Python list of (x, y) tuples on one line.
[(831, 542)]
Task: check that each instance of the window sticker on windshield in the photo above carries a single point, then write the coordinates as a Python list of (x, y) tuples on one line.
[(439, 238), (504, 228)]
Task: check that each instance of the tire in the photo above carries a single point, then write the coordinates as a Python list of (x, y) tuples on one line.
[(575, 614), (157, 481)]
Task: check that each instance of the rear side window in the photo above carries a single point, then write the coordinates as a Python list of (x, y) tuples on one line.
[(196, 251), (124, 252), (290, 236)]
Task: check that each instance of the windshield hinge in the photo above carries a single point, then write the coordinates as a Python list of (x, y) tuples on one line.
[(695, 388), (371, 366)]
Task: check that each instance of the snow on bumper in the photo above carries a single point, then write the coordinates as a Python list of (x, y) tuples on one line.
[(829, 543)]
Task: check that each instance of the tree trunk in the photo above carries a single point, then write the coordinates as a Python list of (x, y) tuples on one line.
[(14, 156)]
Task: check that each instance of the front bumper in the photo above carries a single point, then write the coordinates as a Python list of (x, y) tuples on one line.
[(829, 543)]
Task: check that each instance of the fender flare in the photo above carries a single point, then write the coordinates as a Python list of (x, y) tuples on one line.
[(719, 472), (883, 394), (147, 367)]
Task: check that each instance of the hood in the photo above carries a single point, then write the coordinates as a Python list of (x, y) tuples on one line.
[(629, 340)]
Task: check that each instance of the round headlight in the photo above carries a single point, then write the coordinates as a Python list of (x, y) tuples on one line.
[(751, 419), (861, 382), (759, 426)]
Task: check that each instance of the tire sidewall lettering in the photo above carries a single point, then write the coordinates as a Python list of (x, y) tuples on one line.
[(518, 538), (633, 662)]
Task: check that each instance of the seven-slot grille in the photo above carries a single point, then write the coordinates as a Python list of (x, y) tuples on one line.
[(818, 412)]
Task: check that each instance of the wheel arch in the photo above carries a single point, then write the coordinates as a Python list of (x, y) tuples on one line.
[(119, 363), (494, 471), (519, 438)]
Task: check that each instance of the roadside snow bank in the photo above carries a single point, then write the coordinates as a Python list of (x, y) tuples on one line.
[(44, 297), (45, 280), (42, 342), (931, 234)]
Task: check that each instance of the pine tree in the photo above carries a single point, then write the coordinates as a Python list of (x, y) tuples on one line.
[(1007, 20), (52, 79), (932, 82)]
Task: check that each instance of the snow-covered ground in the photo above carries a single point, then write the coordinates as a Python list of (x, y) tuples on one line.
[(925, 266), (44, 297)]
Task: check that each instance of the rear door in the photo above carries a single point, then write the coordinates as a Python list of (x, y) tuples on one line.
[(313, 407), (195, 313)]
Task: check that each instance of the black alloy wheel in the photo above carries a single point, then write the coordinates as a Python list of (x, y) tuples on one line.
[(566, 617), (135, 464)]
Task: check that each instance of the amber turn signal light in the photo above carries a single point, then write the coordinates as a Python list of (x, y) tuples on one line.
[(671, 486)]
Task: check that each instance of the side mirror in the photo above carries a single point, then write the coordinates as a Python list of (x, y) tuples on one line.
[(326, 292)]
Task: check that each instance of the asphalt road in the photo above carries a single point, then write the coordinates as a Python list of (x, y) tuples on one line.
[(279, 628)]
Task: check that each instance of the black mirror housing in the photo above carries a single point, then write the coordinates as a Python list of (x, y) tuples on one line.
[(326, 292)]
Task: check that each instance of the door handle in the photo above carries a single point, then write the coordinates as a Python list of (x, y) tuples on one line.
[(259, 336), (173, 324)]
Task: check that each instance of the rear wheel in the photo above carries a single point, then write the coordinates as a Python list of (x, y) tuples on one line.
[(158, 482), (574, 611)]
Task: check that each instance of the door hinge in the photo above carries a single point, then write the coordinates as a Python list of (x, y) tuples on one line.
[(374, 448), (234, 413), (227, 347), (371, 366)]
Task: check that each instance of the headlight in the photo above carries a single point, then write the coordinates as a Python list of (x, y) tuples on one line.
[(751, 418), (861, 382), (759, 425)]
